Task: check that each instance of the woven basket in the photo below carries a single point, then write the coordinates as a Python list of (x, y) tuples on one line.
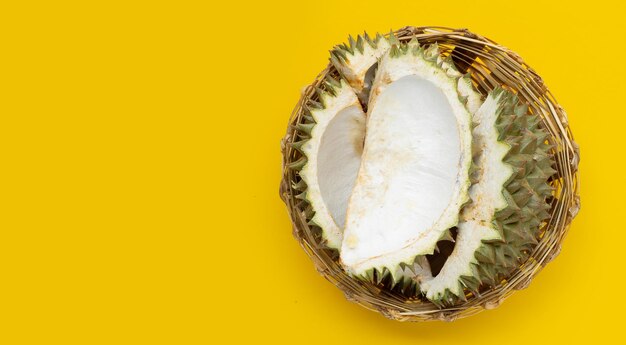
[(490, 65)]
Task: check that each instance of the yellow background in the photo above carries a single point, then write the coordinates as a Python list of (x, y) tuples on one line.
[(140, 167)]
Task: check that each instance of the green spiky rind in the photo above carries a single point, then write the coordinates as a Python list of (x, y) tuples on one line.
[(303, 128), (355, 46), (392, 38), (448, 298), (402, 281), (469, 285), (526, 192)]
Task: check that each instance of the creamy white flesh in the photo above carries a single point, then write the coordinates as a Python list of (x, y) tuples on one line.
[(334, 153), (413, 178), (476, 219), (339, 159)]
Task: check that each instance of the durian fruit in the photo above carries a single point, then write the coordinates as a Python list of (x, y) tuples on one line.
[(498, 230), (332, 144), (415, 170), (356, 61), (430, 155)]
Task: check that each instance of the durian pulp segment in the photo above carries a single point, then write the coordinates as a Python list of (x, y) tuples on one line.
[(476, 223), (414, 174), (334, 155)]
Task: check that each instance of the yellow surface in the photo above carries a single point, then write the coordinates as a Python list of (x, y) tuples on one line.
[(140, 159)]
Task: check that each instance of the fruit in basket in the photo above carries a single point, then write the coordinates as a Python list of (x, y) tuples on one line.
[(400, 153)]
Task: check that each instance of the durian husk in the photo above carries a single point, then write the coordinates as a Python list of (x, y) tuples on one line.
[(490, 65)]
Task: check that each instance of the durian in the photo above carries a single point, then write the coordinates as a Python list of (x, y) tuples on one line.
[(401, 152), (497, 230), (332, 147), (415, 170)]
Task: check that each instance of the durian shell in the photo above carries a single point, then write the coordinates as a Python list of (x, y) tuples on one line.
[(489, 65), (526, 193), (430, 56)]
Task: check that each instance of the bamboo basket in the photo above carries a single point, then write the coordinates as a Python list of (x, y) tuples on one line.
[(490, 65)]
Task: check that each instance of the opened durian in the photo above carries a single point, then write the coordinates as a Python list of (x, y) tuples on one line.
[(499, 228), (332, 145), (401, 153), (415, 169)]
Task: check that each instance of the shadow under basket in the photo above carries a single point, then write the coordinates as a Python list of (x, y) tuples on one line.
[(490, 65)]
